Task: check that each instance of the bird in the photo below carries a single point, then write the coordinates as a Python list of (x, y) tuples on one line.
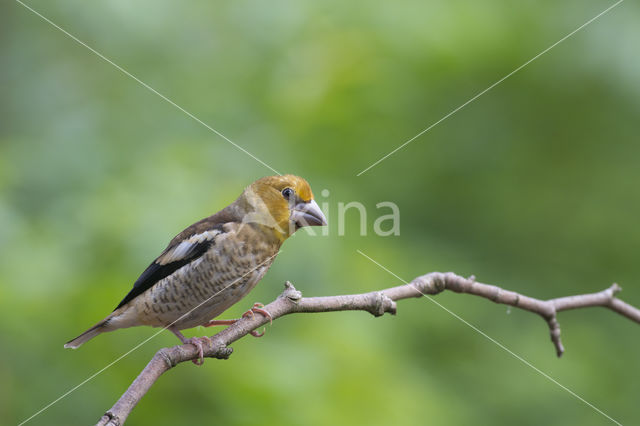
[(214, 263)]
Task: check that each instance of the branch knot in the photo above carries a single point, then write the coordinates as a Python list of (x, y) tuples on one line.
[(291, 293), (432, 283), (165, 354), (222, 351), (110, 419), (383, 304), (615, 289)]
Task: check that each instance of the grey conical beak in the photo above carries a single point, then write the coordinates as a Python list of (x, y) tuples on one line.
[(308, 214)]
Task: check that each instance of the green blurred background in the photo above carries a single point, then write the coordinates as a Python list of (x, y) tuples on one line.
[(534, 187)]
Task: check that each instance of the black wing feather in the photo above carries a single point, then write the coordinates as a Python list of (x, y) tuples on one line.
[(155, 272)]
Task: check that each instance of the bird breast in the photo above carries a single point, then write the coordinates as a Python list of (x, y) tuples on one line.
[(204, 288)]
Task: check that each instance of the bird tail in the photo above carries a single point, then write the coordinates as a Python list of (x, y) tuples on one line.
[(99, 328)]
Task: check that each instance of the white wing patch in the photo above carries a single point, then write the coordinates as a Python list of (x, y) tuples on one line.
[(183, 249)]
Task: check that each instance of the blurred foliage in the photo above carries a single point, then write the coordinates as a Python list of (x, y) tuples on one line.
[(534, 187)]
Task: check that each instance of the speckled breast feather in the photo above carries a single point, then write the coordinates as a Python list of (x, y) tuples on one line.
[(204, 288)]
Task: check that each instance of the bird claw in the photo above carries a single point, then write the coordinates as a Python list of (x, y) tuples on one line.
[(256, 333), (257, 309), (197, 342)]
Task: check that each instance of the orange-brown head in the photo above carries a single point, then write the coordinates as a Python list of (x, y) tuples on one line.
[(283, 203)]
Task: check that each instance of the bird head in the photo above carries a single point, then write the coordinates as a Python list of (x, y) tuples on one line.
[(284, 203)]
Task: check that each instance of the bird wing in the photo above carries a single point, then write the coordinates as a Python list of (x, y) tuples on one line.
[(188, 246)]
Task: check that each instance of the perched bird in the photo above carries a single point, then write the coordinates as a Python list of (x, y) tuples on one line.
[(215, 262)]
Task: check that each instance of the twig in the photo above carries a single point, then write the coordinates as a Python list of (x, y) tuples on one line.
[(377, 303)]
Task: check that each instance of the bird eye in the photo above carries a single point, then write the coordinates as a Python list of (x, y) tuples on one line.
[(287, 193)]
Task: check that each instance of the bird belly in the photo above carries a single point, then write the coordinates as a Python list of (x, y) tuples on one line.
[(203, 289)]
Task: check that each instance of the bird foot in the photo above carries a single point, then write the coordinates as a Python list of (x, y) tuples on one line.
[(256, 309), (197, 342)]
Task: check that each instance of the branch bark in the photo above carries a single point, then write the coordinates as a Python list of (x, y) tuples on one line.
[(377, 303)]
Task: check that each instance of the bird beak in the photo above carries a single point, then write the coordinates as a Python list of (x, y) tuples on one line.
[(308, 214)]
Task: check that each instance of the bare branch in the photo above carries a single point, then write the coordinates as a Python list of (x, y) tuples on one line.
[(377, 303)]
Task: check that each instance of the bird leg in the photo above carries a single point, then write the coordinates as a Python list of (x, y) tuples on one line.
[(257, 308), (195, 341)]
